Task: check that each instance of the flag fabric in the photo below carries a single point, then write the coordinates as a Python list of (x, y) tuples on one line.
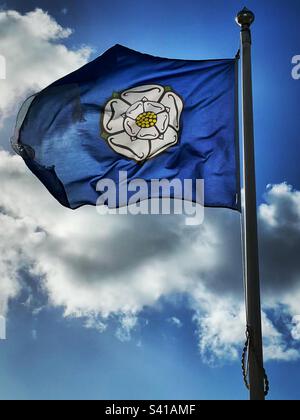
[(155, 118)]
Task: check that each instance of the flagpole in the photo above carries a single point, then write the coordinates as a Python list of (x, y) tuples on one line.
[(245, 18)]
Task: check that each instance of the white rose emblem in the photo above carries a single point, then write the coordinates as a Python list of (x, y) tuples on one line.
[(142, 122)]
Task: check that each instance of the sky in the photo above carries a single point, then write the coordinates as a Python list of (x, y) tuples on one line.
[(146, 307)]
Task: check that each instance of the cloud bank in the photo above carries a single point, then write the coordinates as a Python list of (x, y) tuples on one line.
[(98, 266), (35, 55)]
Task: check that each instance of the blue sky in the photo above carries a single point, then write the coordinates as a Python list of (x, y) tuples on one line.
[(49, 356)]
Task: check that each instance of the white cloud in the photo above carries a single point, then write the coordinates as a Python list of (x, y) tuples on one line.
[(275, 345), (18, 237), (35, 55), (127, 325), (295, 331), (93, 322), (175, 321), (221, 325), (221, 330)]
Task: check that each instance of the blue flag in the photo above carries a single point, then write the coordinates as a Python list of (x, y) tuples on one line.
[(151, 117)]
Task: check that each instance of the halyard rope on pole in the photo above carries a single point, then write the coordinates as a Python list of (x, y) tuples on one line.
[(245, 364)]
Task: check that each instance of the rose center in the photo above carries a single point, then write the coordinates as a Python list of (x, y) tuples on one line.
[(146, 120)]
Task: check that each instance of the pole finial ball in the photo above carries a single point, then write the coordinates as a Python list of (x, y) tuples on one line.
[(245, 18)]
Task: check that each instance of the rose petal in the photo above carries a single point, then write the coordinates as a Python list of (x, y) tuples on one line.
[(155, 107), (131, 127), (135, 110), (162, 121), (159, 145), (150, 133), (133, 149), (174, 103), (139, 93), (113, 119)]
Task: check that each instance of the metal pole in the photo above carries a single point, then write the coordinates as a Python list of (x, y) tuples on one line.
[(245, 18)]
